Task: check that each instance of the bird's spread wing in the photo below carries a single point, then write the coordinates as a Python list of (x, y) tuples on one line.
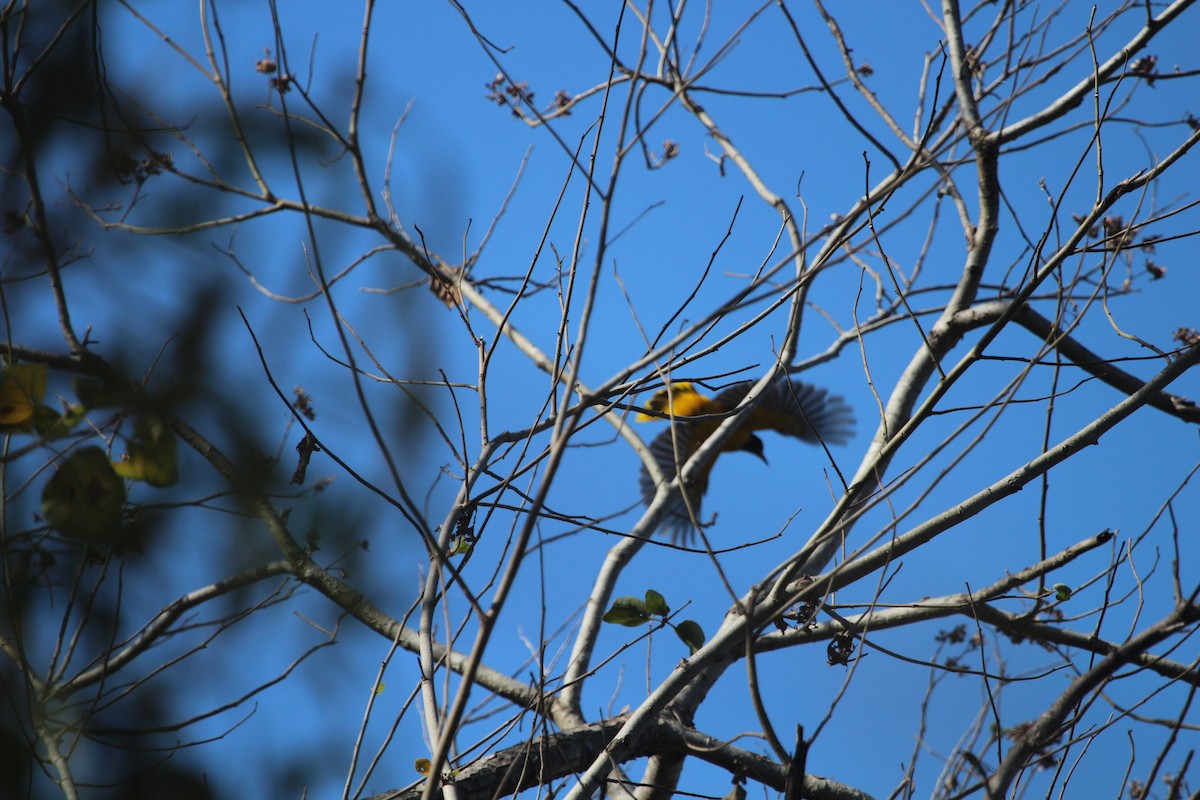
[(671, 449), (796, 409), (792, 408)]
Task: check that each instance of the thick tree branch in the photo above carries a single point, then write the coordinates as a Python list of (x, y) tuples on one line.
[(561, 755)]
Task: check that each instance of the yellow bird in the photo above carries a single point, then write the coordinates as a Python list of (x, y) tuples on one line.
[(792, 408)]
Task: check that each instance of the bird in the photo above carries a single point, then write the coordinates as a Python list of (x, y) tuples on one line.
[(796, 409)]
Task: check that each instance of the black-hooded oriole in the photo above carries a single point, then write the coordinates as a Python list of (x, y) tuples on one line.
[(792, 408)]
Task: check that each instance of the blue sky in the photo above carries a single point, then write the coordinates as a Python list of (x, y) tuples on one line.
[(457, 156)]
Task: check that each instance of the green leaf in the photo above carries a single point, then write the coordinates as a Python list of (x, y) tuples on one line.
[(691, 634), (656, 604), (97, 394), (84, 498), (627, 611)]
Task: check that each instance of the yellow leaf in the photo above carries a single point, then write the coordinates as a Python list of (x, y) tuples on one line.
[(53, 424), (422, 765), (21, 389), (153, 461)]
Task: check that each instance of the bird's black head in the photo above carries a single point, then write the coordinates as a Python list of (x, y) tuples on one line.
[(754, 445)]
